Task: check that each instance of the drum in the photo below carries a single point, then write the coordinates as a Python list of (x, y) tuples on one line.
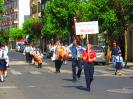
[(61, 53), (37, 59)]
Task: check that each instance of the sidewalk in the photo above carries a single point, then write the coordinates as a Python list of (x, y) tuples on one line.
[(130, 65)]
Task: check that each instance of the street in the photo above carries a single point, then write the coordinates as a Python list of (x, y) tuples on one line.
[(25, 81)]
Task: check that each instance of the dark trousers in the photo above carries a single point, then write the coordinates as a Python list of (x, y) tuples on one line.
[(75, 64), (80, 68), (28, 58), (58, 64), (89, 72)]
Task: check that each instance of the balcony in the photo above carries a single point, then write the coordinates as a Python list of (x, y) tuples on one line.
[(8, 22), (13, 10), (15, 21)]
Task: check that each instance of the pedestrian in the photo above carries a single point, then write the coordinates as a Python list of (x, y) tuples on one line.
[(66, 49), (80, 52), (59, 52), (89, 56), (114, 52), (75, 62), (40, 57), (6, 49), (119, 64), (26, 52), (3, 67)]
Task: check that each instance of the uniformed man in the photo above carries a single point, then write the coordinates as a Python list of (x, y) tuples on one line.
[(89, 56), (27, 51), (75, 61)]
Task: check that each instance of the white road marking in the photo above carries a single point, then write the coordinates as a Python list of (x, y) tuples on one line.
[(8, 87), (15, 72), (35, 72), (31, 86), (123, 90)]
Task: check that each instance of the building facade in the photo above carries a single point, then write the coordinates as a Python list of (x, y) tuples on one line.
[(16, 11), (35, 8)]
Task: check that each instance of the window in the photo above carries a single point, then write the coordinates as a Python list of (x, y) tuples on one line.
[(39, 7)]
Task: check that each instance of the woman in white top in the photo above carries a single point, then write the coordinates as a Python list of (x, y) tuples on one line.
[(3, 67)]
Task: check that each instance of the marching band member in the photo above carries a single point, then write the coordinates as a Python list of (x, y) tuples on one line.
[(27, 51), (89, 57), (38, 58), (3, 67), (75, 61), (59, 52), (7, 60), (67, 50), (80, 50)]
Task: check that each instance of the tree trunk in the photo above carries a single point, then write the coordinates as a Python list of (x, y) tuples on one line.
[(125, 37)]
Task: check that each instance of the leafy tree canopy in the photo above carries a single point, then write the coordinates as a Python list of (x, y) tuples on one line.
[(32, 27), (16, 33)]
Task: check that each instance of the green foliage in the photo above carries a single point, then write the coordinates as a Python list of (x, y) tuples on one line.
[(1, 6), (16, 33), (59, 17), (32, 27), (4, 37), (1, 39), (113, 15)]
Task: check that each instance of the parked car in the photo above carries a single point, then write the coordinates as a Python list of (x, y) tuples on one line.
[(22, 47), (100, 54), (19, 45)]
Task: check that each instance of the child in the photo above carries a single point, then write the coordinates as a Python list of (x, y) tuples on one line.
[(119, 64)]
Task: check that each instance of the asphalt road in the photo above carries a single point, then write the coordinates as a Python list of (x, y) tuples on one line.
[(25, 81)]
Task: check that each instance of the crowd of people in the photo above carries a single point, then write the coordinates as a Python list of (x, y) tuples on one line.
[(33, 55), (82, 58)]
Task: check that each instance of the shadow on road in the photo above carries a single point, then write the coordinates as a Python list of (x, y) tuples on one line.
[(68, 79), (131, 77), (77, 87)]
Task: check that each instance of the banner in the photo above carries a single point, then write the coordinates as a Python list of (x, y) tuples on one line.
[(86, 27)]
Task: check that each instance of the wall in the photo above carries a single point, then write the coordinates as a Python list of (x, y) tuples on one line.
[(24, 10), (130, 44)]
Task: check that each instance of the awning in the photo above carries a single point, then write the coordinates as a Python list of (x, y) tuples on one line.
[(21, 40)]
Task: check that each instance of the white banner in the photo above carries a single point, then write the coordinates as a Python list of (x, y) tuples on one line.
[(86, 27)]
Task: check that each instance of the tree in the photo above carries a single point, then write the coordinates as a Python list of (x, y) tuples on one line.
[(32, 27), (4, 37), (1, 6), (16, 33), (114, 16), (59, 15)]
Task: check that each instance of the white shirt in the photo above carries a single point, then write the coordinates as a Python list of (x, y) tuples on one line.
[(5, 56), (28, 49), (118, 59), (6, 48)]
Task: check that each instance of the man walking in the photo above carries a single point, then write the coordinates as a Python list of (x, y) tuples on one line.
[(114, 53), (89, 57), (75, 61)]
